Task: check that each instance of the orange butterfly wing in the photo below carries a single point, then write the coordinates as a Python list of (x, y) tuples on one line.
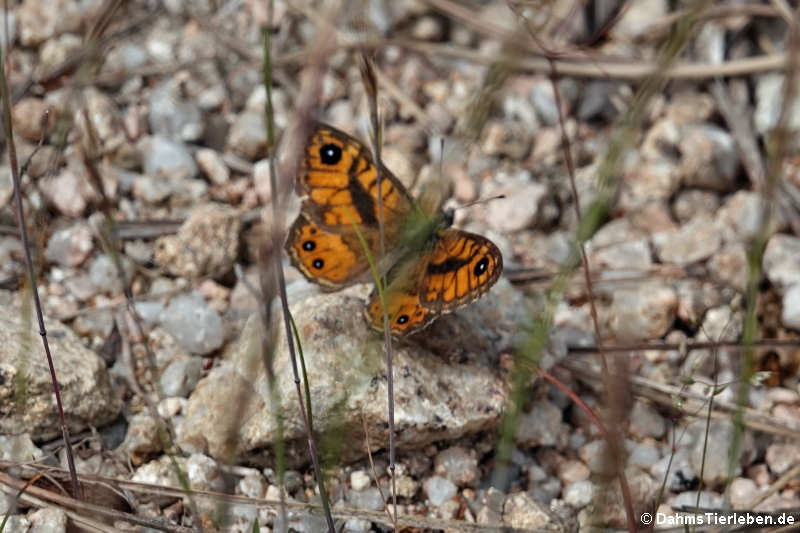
[(340, 183), (459, 268)]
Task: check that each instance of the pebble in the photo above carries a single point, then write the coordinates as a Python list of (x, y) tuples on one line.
[(30, 119), (369, 499), (11, 36), (102, 114), (645, 421), (7, 185), (769, 102), (782, 456), (644, 312), (428, 28), (357, 525), (506, 139), (139, 251), (48, 520), (166, 158), (688, 106), (694, 299), (171, 407), (692, 242), (70, 246), (152, 190), (647, 180), (204, 473), (579, 494), (57, 50), (141, 438), (544, 102), (125, 57), (439, 490), (94, 323), (213, 166), (643, 455), (68, 191), (543, 425), (104, 276), (359, 480), (206, 244), (248, 135), (629, 255), (594, 456), (181, 376), (689, 202), (261, 181), (19, 448), (596, 103), (39, 21), (17, 523), (740, 217), (782, 260), (160, 471), (729, 266), (458, 465), (790, 312), (635, 21), (150, 312), (520, 510), (521, 205), (571, 470), (81, 287), (171, 114), (721, 324), (715, 463), (407, 487), (709, 158), (742, 493), (196, 327)]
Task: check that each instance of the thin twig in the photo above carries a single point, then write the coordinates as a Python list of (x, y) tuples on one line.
[(685, 401), (777, 145), (8, 482), (278, 211), (624, 349), (78, 509), (23, 234), (392, 516), (613, 393), (609, 69), (371, 88)]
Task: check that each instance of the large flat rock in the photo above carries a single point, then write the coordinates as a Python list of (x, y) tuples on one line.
[(447, 380), (27, 401)]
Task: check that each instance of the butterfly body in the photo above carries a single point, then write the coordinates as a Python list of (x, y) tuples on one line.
[(431, 269)]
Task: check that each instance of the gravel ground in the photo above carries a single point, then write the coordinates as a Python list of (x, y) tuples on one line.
[(161, 128)]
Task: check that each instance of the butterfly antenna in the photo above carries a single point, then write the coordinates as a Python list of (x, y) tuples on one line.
[(482, 201), (441, 157)]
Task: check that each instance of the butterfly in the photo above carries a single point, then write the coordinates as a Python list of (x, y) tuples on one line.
[(431, 269)]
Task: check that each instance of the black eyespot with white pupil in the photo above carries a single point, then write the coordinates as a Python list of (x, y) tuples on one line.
[(309, 246), (330, 154), (481, 267), (402, 319), (318, 263)]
